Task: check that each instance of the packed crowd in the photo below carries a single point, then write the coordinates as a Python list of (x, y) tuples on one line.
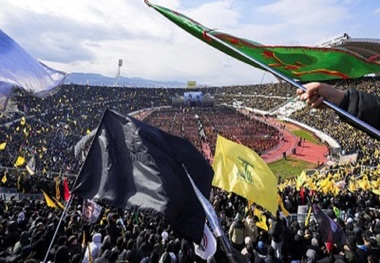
[(27, 227), (202, 125), (49, 129)]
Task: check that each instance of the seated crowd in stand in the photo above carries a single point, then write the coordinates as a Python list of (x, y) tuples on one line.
[(49, 129)]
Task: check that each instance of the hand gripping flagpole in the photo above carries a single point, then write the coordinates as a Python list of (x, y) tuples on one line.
[(365, 126), (213, 220)]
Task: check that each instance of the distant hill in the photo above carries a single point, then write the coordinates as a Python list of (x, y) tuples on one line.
[(100, 80)]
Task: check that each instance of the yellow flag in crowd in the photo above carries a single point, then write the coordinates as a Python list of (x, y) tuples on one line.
[(307, 219), (240, 170), (364, 183), (23, 121), (57, 189), (261, 219), (59, 203), (31, 165), (49, 202), (20, 161), (301, 179), (4, 179), (2, 146), (281, 204)]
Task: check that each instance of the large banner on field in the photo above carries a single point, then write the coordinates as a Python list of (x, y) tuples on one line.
[(193, 98)]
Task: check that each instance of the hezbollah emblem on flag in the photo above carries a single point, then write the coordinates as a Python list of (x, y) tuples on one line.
[(246, 173), (241, 170)]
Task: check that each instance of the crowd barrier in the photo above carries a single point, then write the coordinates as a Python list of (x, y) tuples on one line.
[(7, 194)]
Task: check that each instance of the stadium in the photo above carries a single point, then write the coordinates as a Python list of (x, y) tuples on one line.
[(39, 137)]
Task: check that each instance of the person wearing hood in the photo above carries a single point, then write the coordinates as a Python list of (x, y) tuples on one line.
[(92, 248)]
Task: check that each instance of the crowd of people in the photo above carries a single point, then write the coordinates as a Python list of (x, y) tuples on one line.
[(49, 128)]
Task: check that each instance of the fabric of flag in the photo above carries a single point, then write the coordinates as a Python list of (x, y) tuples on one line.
[(57, 181), (66, 191), (20, 161), (207, 248), (240, 170), (18, 69), (2, 146), (4, 179), (49, 201), (22, 121), (281, 205), (336, 211), (31, 165), (131, 164), (91, 211), (59, 203), (308, 216), (330, 231), (261, 219), (296, 62), (301, 179)]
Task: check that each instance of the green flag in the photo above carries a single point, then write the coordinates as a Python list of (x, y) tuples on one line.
[(296, 62)]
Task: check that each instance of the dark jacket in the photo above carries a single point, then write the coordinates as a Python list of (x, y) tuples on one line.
[(364, 106)]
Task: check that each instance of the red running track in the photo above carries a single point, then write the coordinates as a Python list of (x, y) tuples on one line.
[(307, 151)]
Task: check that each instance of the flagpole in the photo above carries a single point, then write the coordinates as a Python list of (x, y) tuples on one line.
[(213, 220), (56, 230), (365, 126), (71, 196)]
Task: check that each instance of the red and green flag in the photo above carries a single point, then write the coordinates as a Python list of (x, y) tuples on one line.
[(301, 63)]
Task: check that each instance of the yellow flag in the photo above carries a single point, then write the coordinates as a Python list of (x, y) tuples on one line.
[(23, 121), (57, 189), (59, 203), (240, 170), (307, 219), (2, 146), (20, 161), (261, 219), (49, 202), (301, 179), (364, 183), (281, 204), (4, 179)]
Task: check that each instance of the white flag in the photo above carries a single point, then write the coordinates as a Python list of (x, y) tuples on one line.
[(207, 248)]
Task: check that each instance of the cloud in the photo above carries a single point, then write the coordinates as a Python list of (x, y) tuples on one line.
[(91, 36)]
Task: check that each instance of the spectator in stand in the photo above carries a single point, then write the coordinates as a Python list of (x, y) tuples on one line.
[(276, 232), (236, 233)]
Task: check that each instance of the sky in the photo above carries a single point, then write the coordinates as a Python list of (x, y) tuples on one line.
[(90, 36)]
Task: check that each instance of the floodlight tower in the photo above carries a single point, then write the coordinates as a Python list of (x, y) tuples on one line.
[(120, 64)]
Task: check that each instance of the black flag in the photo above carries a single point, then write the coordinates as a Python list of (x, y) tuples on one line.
[(330, 231), (131, 164)]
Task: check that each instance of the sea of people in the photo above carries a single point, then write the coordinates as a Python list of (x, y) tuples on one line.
[(47, 130)]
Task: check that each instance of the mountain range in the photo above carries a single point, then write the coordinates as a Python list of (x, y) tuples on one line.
[(100, 80)]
